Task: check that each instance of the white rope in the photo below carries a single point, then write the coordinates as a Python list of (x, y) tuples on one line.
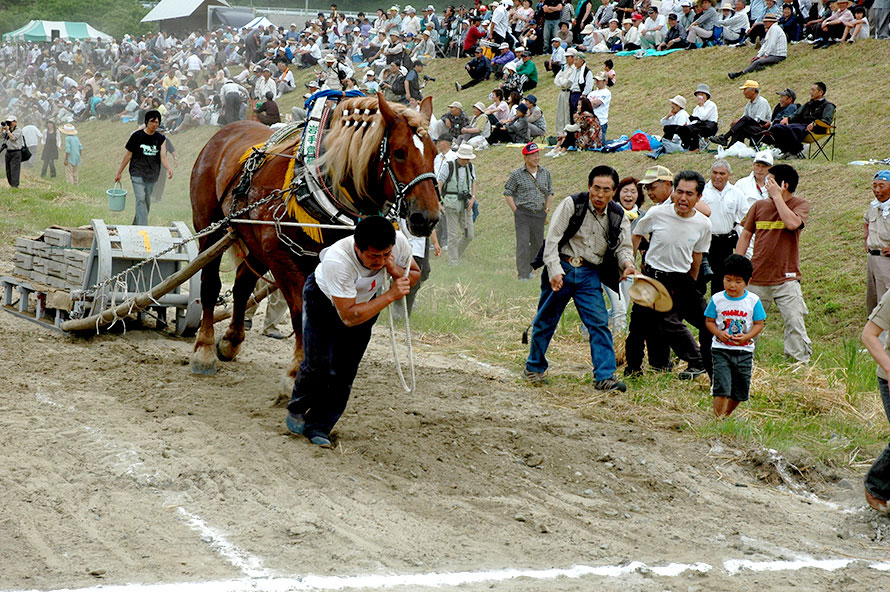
[(392, 336)]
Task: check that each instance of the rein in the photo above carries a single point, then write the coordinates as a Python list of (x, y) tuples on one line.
[(400, 190)]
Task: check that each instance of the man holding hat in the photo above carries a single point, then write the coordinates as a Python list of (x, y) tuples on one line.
[(579, 260), (528, 192), (773, 49), (752, 123), (877, 240), (13, 142)]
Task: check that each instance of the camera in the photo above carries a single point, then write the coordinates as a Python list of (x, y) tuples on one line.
[(428, 78)]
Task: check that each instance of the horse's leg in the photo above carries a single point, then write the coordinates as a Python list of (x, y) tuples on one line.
[(290, 279), (245, 281), (203, 359)]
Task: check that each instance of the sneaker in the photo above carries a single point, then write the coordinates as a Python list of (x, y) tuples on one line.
[(457, 86), (248, 324), (733, 75), (610, 384), (851, 40), (319, 439), (295, 423), (800, 155), (274, 334), (534, 378), (691, 373)]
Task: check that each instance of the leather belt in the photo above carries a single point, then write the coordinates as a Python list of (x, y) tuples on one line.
[(877, 252), (576, 261)]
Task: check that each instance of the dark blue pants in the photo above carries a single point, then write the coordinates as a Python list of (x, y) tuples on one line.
[(877, 481), (332, 353), (581, 284)]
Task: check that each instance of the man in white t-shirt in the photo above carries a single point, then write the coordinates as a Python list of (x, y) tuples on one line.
[(679, 235), (728, 208), (341, 301), (601, 98)]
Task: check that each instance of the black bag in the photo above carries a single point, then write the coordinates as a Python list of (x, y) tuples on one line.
[(26, 153), (608, 269)]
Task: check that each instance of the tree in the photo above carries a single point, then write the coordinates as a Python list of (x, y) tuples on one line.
[(115, 17)]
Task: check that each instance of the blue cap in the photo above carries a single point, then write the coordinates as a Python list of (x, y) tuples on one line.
[(532, 99), (883, 175)]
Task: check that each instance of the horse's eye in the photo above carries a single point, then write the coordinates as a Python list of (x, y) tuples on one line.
[(399, 154)]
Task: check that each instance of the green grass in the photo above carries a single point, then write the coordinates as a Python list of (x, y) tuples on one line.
[(479, 309)]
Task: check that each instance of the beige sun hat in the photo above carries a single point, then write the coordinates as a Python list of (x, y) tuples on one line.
[(650, 293), (680, 101), (479, 105), (68, 129), (465, 151), (457, 104)]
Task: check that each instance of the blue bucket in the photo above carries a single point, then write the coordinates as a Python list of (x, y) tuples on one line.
[(117, 198)]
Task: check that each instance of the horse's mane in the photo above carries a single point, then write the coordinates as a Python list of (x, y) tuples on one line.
[(354, 136)]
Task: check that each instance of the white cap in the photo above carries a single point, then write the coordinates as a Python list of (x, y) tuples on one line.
[(765, 157)]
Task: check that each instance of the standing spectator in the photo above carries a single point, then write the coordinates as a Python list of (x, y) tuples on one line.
[(145, 153), (879, 17), (679, 236), (528, 191), (13, 142), (51, 144), (728, 209), (499, 28), (552, 11), (234, 97), (580, 257), (31, 135), (479, 69), (877, 240), (630, 197), (73, 150), (775, 224), (877, 480), (457, 186), (753, 187), (773, 50), (600, 99)]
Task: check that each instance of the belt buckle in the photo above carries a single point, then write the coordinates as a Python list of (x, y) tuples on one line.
[(575, 261)]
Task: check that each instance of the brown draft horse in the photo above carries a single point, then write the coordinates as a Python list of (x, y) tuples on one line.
[(367, 179)]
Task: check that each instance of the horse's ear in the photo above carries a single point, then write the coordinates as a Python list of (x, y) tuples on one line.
[(426, 107), (385, 110)]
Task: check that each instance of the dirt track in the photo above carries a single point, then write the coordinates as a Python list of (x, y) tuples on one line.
[(113, 458)]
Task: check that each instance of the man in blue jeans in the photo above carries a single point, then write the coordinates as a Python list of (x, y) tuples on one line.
[(552, 13), (576, 268), (877, 481), (341, 301), (146, 152)]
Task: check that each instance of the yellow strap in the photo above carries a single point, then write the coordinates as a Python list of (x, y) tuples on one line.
[(770, 225)]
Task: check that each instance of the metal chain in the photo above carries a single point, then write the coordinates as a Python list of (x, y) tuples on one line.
[(95, 288)]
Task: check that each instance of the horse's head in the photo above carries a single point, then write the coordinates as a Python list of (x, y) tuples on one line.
[(411, 154)]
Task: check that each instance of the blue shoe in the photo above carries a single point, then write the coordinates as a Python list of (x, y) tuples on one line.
[(295, 423), (319, 439)]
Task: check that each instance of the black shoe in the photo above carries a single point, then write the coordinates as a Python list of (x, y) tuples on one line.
[(632, 372), (818, 44), (733, 75), (719, 140), (691, 373), (610, 384)]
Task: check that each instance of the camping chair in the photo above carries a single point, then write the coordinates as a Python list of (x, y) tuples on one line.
[(822, 135)]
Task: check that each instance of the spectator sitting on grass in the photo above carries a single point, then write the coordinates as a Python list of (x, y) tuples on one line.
[(734, 22), (773, 50), (790, 23), (479, 69), (498, 62), (858, 28), (675, 38)]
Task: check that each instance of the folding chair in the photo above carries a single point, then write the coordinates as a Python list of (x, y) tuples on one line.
[(822, 135)]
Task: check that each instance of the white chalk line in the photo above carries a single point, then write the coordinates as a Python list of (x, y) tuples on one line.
[(250, 565)]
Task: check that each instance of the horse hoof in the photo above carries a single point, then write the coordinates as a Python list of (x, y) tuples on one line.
[(202, 369), (224, 350)]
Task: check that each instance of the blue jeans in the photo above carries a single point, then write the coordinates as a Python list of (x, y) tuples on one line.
[(142, 194), (551, 28), (332, 353), (603, 128), (582, 284), (877, 481)]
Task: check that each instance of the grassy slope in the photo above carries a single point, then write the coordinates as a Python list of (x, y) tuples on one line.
[(479, 309)]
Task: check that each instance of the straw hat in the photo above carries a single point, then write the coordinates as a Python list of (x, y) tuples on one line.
[(68, 129), (465, 151), (650, 293)]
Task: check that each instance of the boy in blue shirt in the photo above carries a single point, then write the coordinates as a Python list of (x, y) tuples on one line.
[(734, 317)]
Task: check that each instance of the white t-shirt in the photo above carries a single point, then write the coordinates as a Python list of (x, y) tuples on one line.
[(418, 243), (728, 207), (673, 239), (601, 112), (736, 316), (341, 274)]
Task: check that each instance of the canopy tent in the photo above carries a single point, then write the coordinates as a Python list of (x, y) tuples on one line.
[(182, 16), (49, 30), (258, 22)]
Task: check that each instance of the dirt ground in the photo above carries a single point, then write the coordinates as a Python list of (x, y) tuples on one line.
[(117, 466)]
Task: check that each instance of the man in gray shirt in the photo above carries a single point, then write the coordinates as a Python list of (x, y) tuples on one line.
[(702, 27), (754, 121), (12, 141), (528, 192)]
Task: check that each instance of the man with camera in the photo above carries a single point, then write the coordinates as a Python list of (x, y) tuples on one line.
[(12, 142), (457, 185)]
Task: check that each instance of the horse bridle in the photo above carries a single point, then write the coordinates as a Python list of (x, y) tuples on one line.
[(399, 203)]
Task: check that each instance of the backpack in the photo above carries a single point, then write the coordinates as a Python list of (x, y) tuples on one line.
[(451, 169), (608, 269)]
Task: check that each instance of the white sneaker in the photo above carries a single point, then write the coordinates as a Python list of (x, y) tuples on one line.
[(558, 154), (552, 153)]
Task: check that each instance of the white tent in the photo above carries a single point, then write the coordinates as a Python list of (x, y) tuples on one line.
[(49, 30), (258, 22), (183, 16)]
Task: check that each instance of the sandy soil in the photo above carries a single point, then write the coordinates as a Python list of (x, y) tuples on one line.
[(117, 466)]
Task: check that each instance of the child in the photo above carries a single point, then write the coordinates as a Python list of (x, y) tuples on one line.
[(609, 71), (857, 28), (734, 316)]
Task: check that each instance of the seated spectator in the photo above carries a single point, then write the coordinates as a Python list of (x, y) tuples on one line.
[(702, 122), (675, 38), (813, 27), (498, 111), (858, 28), (790, 23), (453, 121), (537, 126), (773, 50), (702, 28), (734, 22), (268, 112), (479, 126), (425, 48), (557, 59), (498, 62), (832, 28), (788, 135), (564, 34), (513, 130), (587, 40), (676, 118), (609, 39), (609, 71), (285, 79), (583, 134), (758, 29), (752, 123), (652, 30), (474, 34), (631, 27), (786, 107), (479, 69)]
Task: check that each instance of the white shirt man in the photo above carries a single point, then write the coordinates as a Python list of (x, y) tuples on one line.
[(263, 85), (500, 20), (601, 98)]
